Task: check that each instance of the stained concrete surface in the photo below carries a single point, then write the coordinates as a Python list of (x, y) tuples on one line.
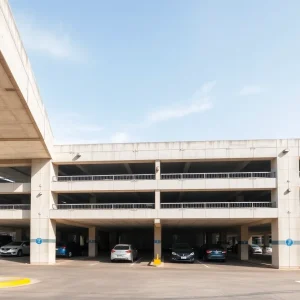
[(99, 279)]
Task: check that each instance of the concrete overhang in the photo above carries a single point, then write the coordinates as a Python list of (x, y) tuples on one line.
[(25, 131)]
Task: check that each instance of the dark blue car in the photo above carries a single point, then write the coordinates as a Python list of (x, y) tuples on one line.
[(212, 252), (69, 249)]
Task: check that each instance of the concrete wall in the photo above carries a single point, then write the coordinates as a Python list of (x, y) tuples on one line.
[(209, 150), (164, 185), (15, 188)]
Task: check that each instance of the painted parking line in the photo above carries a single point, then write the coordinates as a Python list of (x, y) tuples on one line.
[(297, 281), (94, 264), (201, 263), (136, 261)]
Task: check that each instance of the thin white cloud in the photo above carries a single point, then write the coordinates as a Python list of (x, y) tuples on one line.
[(120, 137), (179, 111), (249, 90), (198, 103), (53, 42)]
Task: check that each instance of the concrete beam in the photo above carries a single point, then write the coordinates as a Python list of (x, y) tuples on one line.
[(73, 223), (15, 163)]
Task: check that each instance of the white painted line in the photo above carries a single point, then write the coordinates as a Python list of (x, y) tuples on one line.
[(201, 263), (136, 261), (297, 281), (94, 264)]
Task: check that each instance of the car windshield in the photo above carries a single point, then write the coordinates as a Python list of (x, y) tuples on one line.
[(121, 247), (15, 244), (181, 246), (255, 246)]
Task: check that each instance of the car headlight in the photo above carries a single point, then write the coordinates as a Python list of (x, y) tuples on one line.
[(174, 253), (192, 253)]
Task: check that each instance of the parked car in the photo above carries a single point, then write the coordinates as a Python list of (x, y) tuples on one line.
[(182, 252), (125, 252), (212, 252), (16, 249), (255, 249), (68, 249), (5, 239), (267, 250)]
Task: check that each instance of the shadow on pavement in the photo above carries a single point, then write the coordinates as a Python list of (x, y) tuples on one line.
[(16, 259)]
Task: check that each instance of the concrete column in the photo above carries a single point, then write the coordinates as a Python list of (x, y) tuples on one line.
[(266, 240), (286, 229), (243, 243), (209, 239), (214, 238), (223, 237), (18, 235), (157, 199), (42, 228), (157, 238), (93, 247), (157, 170), (199, 239)]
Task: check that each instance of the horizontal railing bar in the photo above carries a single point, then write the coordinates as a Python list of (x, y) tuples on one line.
[(166, 176), (209, 205), (105, 206), (15, 206)]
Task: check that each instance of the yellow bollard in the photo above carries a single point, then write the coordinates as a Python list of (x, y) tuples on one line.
[(157, 260)]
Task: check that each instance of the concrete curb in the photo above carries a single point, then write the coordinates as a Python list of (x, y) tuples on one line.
[(14, 282)]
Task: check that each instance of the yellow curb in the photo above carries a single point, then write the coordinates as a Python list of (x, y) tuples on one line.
[(14, 282)]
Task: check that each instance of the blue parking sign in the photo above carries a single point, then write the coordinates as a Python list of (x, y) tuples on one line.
[(38, 241), (289, 242)]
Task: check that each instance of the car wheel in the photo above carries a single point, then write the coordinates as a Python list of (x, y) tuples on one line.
[(20, 253), (70, 254), (111, 260)]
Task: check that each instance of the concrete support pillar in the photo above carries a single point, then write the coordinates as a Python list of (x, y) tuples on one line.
[(209, 239), (112, 239), (199, 239), (42, 228), (18, 235), (214, 238), (286, 228), (157, 170), (266, 240), (243, 243), (157, 239), (223, 237), (157, 199), (93, 246)]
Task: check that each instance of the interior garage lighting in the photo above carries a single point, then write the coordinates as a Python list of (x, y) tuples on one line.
[(286, 150), (6, 179)]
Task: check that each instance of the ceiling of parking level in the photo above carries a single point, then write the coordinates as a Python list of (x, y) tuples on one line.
[(15, 174), (228, 196), (19, 137), (107, 169), (107, 198), (216, 167)]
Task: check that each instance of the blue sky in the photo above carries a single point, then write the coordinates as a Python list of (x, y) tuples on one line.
[(133, 71)]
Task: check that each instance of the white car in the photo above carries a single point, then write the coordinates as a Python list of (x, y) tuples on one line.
[(268, 250), (123, 252), (16, 249), (255, 249)]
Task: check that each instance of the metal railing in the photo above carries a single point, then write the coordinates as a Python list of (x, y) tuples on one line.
[(218, 175), (105, 206), (15, 206), (209, 205), (105, 177)]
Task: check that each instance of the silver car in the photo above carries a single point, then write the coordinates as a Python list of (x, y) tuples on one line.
[(123, 252), (16, 249)]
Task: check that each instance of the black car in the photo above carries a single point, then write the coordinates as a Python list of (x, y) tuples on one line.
[(5, 239), (182, 252)]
